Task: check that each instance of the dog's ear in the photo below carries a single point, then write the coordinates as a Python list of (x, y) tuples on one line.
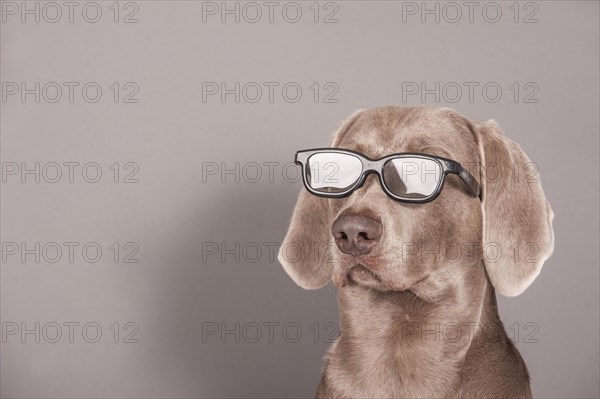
[(305, 252), (517, 218)]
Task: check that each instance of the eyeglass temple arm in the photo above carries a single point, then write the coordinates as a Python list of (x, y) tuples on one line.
[(471, 182), (468, 178)]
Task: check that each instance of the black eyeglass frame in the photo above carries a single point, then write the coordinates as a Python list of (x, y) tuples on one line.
[(370, 165)]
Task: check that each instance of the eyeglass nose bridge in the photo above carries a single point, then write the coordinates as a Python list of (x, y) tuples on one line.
[(370, 167)]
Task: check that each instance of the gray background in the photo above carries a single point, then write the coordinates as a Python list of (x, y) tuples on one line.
[(172, 292)]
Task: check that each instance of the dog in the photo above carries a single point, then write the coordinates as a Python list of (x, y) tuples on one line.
[(416, 321)]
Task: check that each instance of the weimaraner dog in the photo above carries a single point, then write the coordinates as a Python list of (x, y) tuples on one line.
[(419, 216)]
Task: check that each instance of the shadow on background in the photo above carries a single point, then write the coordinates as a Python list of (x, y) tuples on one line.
[(235, 322)]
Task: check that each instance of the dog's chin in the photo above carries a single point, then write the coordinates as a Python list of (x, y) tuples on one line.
[(361, 275)]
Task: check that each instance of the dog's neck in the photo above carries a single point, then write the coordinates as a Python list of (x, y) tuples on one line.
[(393, 342)]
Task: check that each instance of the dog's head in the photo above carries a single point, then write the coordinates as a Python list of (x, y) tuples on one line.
[(374, 241)]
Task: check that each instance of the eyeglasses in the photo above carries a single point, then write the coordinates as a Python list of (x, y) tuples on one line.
[(405, 177)]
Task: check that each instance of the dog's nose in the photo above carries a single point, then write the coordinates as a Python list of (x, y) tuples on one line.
[(355, 234)]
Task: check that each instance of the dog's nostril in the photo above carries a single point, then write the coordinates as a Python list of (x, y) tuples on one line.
[(343, 236), (364, 235)]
